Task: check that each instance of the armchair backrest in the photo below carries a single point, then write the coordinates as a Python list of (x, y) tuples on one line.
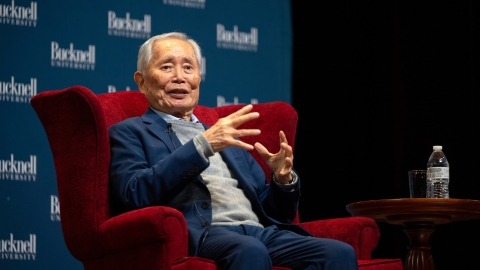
[(76, 122)]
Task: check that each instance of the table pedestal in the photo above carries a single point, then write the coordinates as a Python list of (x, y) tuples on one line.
[(418, 256)]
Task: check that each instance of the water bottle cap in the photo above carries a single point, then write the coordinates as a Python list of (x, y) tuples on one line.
[(437, 147)]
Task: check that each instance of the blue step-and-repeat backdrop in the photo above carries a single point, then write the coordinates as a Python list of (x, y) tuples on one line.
[(50, 45)]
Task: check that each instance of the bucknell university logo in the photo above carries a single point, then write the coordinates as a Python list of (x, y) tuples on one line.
[(19, 250), (129, 27), (18, 170), (18, 15), (237, 40), (72, 58), (17, 92)]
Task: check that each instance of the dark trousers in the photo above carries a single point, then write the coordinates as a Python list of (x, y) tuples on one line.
[(252, 247)]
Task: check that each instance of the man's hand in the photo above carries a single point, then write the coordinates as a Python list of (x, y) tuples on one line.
[(223, 133), (281, 163)]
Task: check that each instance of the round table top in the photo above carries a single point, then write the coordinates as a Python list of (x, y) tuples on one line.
[(403, 210)]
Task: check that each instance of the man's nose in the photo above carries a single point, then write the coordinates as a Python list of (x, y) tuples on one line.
[(178, 74)]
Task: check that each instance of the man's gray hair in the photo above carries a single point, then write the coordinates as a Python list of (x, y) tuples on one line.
[(145, 52)]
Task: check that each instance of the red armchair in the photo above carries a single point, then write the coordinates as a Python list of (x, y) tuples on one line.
[(76, 122)]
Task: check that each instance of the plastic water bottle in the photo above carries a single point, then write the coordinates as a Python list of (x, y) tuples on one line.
[(438, 174)]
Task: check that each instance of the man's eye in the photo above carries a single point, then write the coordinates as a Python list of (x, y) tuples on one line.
[(165, 67), (189, 67)]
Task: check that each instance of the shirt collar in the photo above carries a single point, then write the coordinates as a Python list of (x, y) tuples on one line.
[(167, 116)]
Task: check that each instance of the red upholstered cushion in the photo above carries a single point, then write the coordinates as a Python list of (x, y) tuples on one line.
[(144, 226), (360, 232), (122, 105), (75, 125), (208, 116), (380, 264)]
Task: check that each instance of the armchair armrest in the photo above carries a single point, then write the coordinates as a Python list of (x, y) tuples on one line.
[(361, 233), (145, 226)]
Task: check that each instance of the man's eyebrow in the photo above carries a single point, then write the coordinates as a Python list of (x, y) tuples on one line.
[(188, 59), (166, 58), (185, 58)]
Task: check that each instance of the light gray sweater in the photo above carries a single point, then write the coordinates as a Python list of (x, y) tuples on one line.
[(229, 204)]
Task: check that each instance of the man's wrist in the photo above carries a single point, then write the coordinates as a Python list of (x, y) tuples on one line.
[(289, 183)]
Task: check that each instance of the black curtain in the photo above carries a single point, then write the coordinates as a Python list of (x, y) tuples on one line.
[(376, 85)]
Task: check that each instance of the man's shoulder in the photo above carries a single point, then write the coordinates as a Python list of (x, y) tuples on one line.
[(148, 116), (127, 122)]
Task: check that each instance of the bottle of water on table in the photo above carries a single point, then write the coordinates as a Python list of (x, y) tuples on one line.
[(438, 174)]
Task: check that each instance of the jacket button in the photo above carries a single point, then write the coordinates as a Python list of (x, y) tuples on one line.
[(205, 224), (204, 205)]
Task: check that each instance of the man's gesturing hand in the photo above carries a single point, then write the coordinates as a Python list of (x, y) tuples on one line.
[(281, 163), (223, 133)]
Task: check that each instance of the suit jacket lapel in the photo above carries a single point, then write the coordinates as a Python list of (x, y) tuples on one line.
[(155, 124)]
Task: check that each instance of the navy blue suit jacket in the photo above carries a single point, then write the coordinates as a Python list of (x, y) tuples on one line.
[(151, 167)]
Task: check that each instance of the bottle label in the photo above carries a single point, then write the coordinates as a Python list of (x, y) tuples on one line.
[(438, 173)]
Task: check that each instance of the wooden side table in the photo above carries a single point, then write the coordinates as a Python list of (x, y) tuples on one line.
[(418, 217)]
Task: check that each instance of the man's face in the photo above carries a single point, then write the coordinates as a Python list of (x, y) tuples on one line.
[(171, 82)]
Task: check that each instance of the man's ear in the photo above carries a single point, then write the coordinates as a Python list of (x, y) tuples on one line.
[(138, 77)]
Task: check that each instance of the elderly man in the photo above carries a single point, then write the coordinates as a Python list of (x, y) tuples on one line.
[(168, 157)]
